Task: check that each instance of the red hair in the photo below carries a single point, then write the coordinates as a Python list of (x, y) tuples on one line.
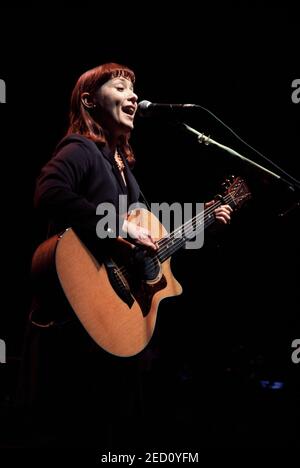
[(81, 120)]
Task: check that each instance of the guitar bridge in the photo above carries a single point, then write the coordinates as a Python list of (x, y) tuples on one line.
[(119, 282)]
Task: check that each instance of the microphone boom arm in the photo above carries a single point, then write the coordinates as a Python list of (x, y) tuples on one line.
[(209, 141)]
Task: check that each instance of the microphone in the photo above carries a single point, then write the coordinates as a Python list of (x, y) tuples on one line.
[(149, 109)]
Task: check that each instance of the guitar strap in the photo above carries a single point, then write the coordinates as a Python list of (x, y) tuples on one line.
[(144, 200)]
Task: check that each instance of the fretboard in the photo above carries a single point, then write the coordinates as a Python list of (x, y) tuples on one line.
[(177, 239)]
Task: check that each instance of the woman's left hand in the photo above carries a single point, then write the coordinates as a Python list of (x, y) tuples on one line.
[(222, 213)]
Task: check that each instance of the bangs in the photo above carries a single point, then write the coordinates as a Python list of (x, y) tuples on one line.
[(124, 73), (114, 70)]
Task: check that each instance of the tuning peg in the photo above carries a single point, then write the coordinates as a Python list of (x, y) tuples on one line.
[(225, 184)]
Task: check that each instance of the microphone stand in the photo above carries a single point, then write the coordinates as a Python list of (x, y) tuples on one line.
[(206, 140), (209, 141)]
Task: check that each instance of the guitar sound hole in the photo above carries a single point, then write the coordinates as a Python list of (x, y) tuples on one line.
[(144, 266)]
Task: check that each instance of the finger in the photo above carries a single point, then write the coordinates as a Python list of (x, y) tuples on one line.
[(147, 242), (208, 204), (228, 208), (151, 241), (223, 212), (222, 215), (225, 215), (222, 219), (150, 244)]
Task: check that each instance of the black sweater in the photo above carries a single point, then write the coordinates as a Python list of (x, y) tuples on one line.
[(79, 177)]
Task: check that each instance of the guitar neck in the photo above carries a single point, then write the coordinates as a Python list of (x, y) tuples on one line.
[(179, 237)]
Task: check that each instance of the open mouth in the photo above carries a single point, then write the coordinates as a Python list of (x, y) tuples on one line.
[(129, 110)]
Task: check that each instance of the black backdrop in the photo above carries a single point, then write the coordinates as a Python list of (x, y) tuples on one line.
[(228, 338)]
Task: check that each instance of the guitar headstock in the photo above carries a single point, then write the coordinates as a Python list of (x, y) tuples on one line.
[(235, 192)]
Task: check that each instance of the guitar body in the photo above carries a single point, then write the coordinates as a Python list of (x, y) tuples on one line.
[(96, 291), (116, 307)]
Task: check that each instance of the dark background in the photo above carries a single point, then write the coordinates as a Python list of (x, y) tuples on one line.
[(233, 327)]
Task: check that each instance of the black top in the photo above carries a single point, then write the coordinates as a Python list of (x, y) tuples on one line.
[(79, 177)]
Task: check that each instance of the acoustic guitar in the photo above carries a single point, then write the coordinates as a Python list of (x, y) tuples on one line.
[(115, 304)]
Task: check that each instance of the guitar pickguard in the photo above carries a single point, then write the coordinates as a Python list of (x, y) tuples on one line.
[(145, 292)]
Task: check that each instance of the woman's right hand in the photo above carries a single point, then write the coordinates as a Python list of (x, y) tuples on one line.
[(139, 234)]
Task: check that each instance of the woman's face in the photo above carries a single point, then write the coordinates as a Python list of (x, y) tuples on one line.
[(116, 104)]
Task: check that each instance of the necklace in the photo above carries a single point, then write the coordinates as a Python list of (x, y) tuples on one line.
[(119, 162)]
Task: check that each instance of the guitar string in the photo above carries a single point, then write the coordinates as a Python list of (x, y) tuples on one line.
[(206, 214), (189, 229), (175, 246), (180, 242)]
